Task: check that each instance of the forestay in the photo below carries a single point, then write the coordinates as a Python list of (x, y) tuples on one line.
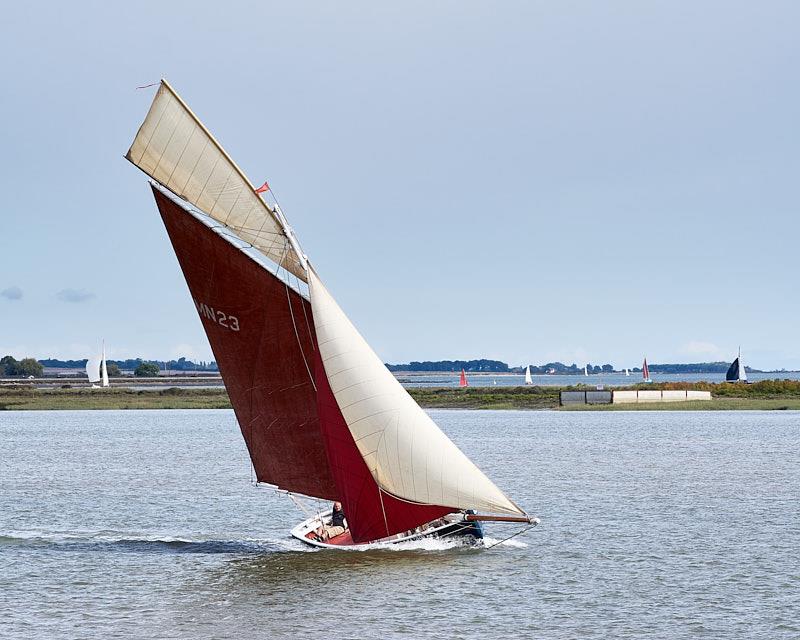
[(407, 454), (174, 148)]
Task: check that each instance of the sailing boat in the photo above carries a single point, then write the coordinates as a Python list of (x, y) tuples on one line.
[(462, 380), (320, 413), (646, 372), (585, 370), (96, 369), (528, 379), (736, 372), (627, 373)]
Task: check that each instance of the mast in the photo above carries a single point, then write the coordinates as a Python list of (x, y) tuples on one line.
[(103, 367), (742, 370)]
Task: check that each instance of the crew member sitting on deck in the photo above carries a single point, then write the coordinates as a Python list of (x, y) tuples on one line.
[(335, 527)]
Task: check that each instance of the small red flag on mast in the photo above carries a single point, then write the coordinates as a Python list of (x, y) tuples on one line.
[(264, 187)]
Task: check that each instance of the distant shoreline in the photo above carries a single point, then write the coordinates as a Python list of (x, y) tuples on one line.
[(765, 395)]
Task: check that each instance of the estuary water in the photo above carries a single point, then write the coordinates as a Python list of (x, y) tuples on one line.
[(139, 524), (616, 379)]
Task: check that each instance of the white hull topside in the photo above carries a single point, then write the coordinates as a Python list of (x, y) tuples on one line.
[(454, 521)]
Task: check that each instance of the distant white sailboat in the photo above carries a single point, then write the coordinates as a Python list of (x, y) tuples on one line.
[(627, 373), (585, 371), (528, 379), (97, 370)]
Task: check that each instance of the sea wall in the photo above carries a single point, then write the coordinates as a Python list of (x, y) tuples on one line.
[(652, 395), (641, 396)]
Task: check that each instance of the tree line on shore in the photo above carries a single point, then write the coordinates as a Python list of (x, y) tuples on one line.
[(553, 368), (10, 367), (181, 364)]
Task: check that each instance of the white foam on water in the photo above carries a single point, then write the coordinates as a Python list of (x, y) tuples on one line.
[(513, 544)]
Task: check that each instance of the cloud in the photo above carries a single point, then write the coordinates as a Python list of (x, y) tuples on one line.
[(700, 348), (12, 293), (74, 295), (191, 352)]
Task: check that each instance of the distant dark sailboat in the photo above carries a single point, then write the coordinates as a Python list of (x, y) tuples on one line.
[(320, 413), (736, 372)]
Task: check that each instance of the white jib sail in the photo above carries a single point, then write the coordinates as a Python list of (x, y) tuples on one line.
[(174, 148), (407, 454), (93, 369), (528, 379), (103, 368), (742, 370)]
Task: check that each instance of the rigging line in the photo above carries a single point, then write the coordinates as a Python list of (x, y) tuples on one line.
[(308, 325), (296, 334), (385, 521), (300, 505), (518, 533)]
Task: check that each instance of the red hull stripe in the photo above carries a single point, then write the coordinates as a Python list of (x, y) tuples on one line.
[(246, 315)]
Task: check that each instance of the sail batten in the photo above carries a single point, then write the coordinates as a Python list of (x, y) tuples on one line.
[(174, 148)]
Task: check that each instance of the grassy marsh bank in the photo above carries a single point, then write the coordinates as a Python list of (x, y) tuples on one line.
[(29, 398), (764, 395)]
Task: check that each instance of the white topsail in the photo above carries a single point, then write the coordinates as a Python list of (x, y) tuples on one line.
[(174, 148), (407, 454), (93, 369)]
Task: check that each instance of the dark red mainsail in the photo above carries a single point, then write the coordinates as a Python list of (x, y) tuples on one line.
[(261, 334), (296, 435)]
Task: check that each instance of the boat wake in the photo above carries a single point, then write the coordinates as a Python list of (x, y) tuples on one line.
[(132, 542), (145, 543)]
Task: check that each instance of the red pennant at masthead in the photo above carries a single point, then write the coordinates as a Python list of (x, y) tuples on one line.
[(264, 187)]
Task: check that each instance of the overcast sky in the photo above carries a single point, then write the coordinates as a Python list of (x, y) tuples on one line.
[(524, 181)]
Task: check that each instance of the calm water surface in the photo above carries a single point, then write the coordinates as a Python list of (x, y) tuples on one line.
[(145, 524)]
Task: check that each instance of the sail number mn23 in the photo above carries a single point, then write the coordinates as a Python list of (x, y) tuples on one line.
[(220, 317)]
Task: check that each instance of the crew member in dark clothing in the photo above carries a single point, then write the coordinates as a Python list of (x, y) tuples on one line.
[(337, 525), (337, 515)]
